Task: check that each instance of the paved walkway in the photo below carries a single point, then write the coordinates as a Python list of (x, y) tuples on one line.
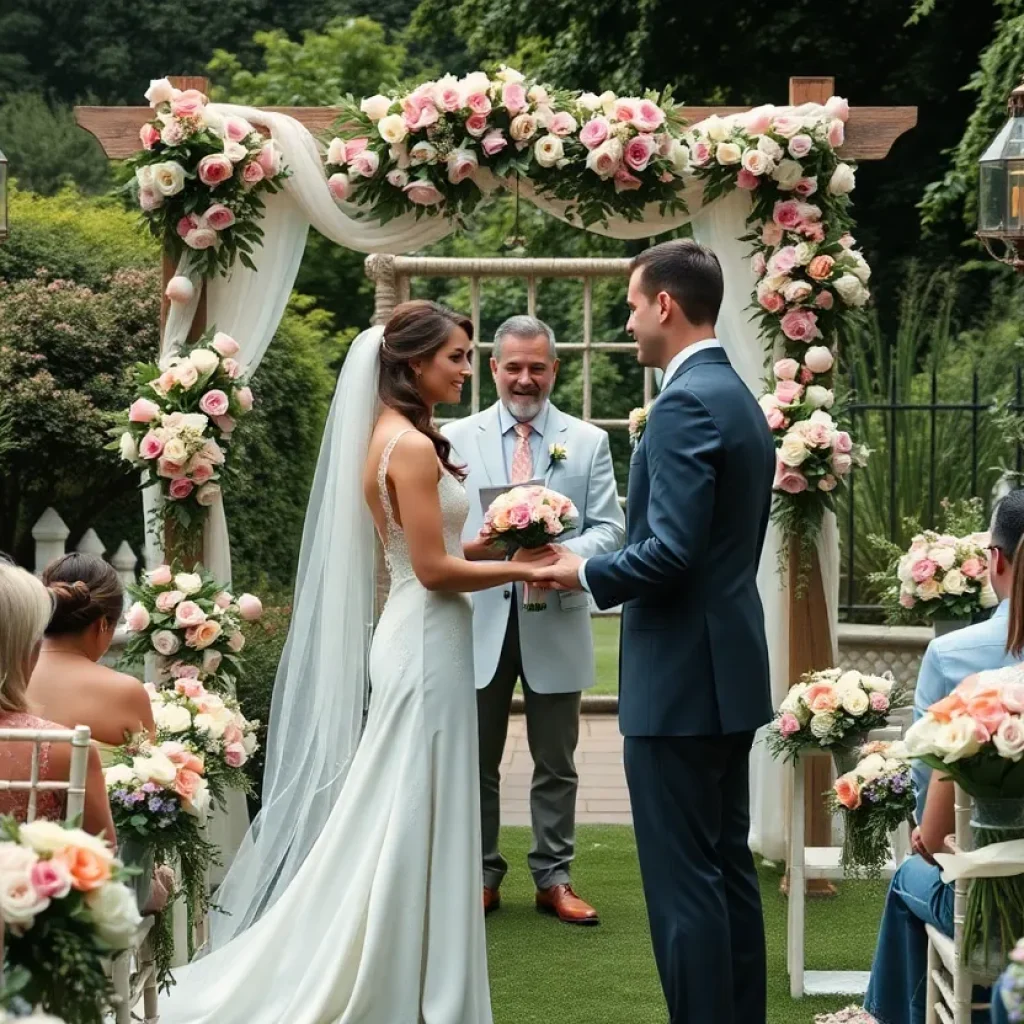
[(602, 795)]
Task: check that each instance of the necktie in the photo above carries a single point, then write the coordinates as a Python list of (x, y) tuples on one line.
[(522, 457)]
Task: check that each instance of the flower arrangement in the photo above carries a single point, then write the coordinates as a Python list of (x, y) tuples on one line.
[(209, 726), (975, 736), (811, 281), (638, 424), (178, 430), (1011, 985), (191, 622), (199, 179), (441, 147), (941, 575), (65, 906), (832, 708), (874, 799), (528, 517)]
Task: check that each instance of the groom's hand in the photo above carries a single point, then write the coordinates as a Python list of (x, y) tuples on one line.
[(564, 574)]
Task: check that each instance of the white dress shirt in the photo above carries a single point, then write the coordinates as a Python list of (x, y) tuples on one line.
[(670, 371)]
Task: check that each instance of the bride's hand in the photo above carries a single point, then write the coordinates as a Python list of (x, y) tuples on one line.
[(545, 555)]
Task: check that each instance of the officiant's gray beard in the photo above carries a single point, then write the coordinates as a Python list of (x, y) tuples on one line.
[(525, 407)]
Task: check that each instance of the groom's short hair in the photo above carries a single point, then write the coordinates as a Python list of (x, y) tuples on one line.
[(1008, 523), (689, 272)]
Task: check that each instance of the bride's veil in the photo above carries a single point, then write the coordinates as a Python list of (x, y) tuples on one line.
[(320, 693)]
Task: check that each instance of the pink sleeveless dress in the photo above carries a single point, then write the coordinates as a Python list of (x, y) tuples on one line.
[(16, 766)]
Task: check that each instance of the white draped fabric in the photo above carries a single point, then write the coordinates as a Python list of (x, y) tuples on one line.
[(248, 305)]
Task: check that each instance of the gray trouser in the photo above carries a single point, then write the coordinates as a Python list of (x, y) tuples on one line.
[(552, 729)]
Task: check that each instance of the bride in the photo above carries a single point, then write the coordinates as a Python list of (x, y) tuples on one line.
[(356, 895)]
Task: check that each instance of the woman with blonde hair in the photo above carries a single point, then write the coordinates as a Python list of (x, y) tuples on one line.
[(25, 610)]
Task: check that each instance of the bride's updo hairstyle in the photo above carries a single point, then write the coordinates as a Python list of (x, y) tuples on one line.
[(85, 589), (417, 330)]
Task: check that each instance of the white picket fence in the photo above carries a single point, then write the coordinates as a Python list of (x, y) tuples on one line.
[(51, 534)]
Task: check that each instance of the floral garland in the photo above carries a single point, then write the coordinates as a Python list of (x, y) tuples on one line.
[(199, 179), (440, 148), (811, 283), (179, 428)]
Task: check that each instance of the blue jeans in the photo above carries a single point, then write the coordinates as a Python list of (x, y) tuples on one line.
[(999, 1014), (917, 896)]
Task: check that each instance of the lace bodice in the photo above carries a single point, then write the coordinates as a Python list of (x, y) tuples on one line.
[(16, 765), (454, 509)]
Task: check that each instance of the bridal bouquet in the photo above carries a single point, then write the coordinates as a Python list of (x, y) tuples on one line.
[(209, 726), (975, 737), (874, 799), (178, 429), (65, 907), (443, 146), (199, 179), (528, 517), (191, 622), (832, 708)]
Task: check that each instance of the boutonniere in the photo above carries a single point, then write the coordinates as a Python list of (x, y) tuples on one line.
[(558, 453), (638, 424)]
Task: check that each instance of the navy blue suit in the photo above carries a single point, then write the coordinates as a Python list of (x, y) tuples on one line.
[(694, 683)]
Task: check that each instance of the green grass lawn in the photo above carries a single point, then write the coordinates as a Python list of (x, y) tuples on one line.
[(606, 654), (545, 972)]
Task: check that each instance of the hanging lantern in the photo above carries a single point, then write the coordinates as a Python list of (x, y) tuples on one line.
[(1001, 189)]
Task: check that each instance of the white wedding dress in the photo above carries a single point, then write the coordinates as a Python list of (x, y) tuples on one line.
[(383, 921)]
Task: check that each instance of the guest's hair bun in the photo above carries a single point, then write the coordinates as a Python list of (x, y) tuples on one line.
[(70, 598), (85, 589)]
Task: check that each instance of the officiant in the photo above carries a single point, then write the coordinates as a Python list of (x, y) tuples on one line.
[(524, 438)]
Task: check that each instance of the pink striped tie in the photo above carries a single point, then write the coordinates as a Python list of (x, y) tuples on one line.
[(522, 457)]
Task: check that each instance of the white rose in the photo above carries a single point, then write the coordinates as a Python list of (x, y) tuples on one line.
[(822, 725), (172, 718), (855, 702), (160, 91), (235, 151), (728, 153), (1009, 738), (757, 162), (797, 291), (549, 150), (818, 397), (118, 775), (375, 107), (854, 263), (878, 684), (920, 737), (607, 101), (116, 914), (336, 152), (953, 582), (804, 253), (250, 743), (771, 149), (903, 570), (20, 904), (129, 449), (590, 101), (423, 153), (943, 555), (793, 450), (50, 836), (842, 181), (957, 739), (510, 75), (851, 291), (716, 129), (523, 127), (168, 178), (188, 583), (204, 360), (679, 157), (175, 450), (155, 767), (787, 174), (392, 129), (820, 416), (144, 175), (195, 420), (211, 724), (872, 767)]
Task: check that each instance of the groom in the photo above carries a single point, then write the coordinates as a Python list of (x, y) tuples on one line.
[(694, 663)]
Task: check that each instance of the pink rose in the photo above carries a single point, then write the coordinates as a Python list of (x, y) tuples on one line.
[(836, 134), (224, 345), (841, 464), (787, 126), (789, 480), (51, 879), (218, 217), (815, 232), (806, 187), (907, 600), (168, 600), (160, 576), (188, 103), (137, 618), (419, 112), (771, 234), (624, 110), (461, 165), (776, 420), (365, 164), (214, 403), (236, 642), (758, 264), (252, 174), (448, 97), (789, 724), (190, 688), (788, 391), (819, 435), (800, 145), (187, 225), (180, 488), (758, 120), (250, 607), (188, 613), (422, 193), (513, 98), (819, 359), (594, 132), (973, 568), (520, 515), (270, 160), (476, 125), (245, 399), (479, 103), (808, 212), (208, 494), (649, 117), (745, 179), (562, 124), (820, 268), (199, 470), (225, 424), (786, 369), (200, 637), (700, 153), (234, 755), (170, 470), (211, 661), (237, 129), (201, 238), (149, 199), (879, 701), (215, 169), (782, 261), (987, 710), (825, 300), (923, 569), (353, 148), (639, 152), (828, 483), (806, 375), (626, 182), (800, 325), (847, 792), (838, 108), (142, 410), (773, 302), (842, 442), (339, 187), (787, 214), (223, 600), (149, 135), (494, 142)]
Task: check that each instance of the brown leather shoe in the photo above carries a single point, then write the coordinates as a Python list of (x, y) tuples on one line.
[(492, 900), (561, 901)]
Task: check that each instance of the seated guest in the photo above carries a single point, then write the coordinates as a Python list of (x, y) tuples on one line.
[(952, 658), (68, 684), (25, 608)]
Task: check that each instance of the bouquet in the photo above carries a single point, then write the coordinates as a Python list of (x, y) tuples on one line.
[(830, 709), (209, 726), (191, 622), (1011, 985), (179, 428), (440, 148), (941, 575), (528, 517), (874, 799), (975, 737), (199, 179), (65, 907)]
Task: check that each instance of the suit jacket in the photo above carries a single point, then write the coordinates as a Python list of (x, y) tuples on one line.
[(693, 660), (556, 644)]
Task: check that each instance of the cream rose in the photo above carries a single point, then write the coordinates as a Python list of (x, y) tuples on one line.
[(756, 162), (168, 178), (956, 739), (172, 718), (549, 150), (115, 913), (375, 107), (188, 583), (728, 153), (855, 702), (842, 181), (204, 360), (787, 174), (118, 775), (523, 127), (954, 582), (392, 129), (1009, 738), (793, 451)]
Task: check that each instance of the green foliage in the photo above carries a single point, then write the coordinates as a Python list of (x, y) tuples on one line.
[(46, 150)]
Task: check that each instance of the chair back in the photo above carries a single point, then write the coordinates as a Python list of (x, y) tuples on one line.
[(74, 787)]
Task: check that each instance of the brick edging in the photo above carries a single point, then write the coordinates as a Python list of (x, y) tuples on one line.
[(591, 704)]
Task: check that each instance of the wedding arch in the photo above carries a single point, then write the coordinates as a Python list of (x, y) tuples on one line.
[(726, 185)]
